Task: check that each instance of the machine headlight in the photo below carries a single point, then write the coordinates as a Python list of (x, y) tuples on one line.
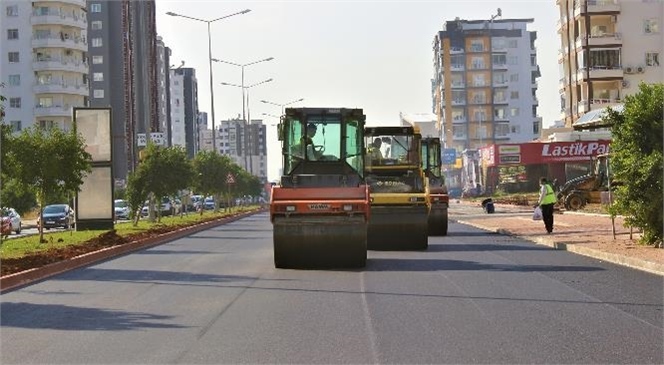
[(348, 207), (290, 208)]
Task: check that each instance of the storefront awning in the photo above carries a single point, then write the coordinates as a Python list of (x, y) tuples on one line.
[(594, 118)]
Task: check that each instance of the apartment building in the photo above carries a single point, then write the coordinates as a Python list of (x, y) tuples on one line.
[(485, 82), (163, 89), (607, 48), (123, 73), (44, 63), (249, 153), (184, 109)]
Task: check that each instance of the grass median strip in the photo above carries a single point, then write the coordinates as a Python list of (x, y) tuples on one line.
[(29, 245)]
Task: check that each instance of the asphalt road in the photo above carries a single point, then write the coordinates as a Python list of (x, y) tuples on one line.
[(215, 297)]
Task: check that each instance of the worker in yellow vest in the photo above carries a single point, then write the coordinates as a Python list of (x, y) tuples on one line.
[(547, 199)]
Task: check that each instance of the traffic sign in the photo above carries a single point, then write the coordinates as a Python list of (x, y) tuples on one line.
[(449, 156), (230, 179), (141, 140), (158, 138)]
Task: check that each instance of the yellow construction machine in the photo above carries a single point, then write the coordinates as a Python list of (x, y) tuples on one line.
[(437, 192), (398, 189)]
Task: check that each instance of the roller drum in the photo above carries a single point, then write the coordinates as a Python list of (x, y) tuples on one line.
[(398, 227), (320, 242)]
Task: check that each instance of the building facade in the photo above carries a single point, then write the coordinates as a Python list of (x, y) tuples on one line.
[(123, 73), (607, 48), (184, 109), (44, 61), (163, 89), (485, 82), (231, 141)]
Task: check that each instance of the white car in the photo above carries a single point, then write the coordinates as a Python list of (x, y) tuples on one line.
[(14, 218), (121, 209)]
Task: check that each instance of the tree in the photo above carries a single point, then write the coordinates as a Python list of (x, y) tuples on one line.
[(637, 163), (50, 161), (210, 170), (136, 193)]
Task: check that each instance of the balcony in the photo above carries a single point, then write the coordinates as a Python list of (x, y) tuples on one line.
[(56, 18), (53, 111), (603, 103), (60, 88), (458, 137), (562, 83), (614, 39), (63, 41), (458, 85), (598, 72), (457, 67), (501, 83), (459, 119), (502, 100), (59, 64), (457, 102), (456, 50), (596, 6), (499, 66)]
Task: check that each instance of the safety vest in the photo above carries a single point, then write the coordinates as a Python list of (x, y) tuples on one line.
[(550, 197)]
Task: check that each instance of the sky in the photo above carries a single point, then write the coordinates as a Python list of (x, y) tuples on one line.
[(374, 55)]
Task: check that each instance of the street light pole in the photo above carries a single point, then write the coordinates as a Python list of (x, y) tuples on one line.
[(209, 22), (282, 105)]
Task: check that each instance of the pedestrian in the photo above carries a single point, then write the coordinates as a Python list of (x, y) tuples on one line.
[(547, 199)]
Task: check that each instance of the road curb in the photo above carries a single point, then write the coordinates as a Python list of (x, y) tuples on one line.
[(634, 263), (24, 278)]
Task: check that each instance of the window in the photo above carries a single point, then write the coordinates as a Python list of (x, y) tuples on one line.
[(514, 95), (95, 8), (96, 42), (459, 131), (512, 60), (536, 128), (14, 80), (95, 25), (12, 10), (515, 129), (514, 112), (502, 130), (533, 60), (499, 59), (512, 43), (500, 96), (652, 59), (650, 26), (13, 57), (16, 125), (478, 80), (477, 45), (97, 60), (478, 63), (98, 76), (14, 102), (45, 102), (514, 78), (12, 33), (98, 93), (46, 124), (500, 113)]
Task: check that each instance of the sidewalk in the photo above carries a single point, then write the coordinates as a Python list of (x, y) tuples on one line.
[(582, 233)]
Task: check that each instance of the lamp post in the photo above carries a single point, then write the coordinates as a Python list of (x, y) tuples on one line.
[(242, 66), (282, 105), (214, 132), (247, 131)]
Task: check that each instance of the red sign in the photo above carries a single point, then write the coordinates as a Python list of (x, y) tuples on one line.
[(230, 179), (543, 153)]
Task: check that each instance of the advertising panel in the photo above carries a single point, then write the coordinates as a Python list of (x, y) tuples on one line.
[(546, 153)]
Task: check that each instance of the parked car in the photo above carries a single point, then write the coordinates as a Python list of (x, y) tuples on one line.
[(208, 203), (57, 215), (166, 207), (11, 221), (121, 209)]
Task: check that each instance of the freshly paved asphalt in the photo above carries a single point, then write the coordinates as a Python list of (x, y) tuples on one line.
[(215, 297)]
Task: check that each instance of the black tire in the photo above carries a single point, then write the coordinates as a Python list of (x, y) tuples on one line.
[(575, 201), (443, 226), (18, 231)]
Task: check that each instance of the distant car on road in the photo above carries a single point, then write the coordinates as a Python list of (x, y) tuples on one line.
[(11, 221), (57, 215), (121, 209), (14, 219)]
